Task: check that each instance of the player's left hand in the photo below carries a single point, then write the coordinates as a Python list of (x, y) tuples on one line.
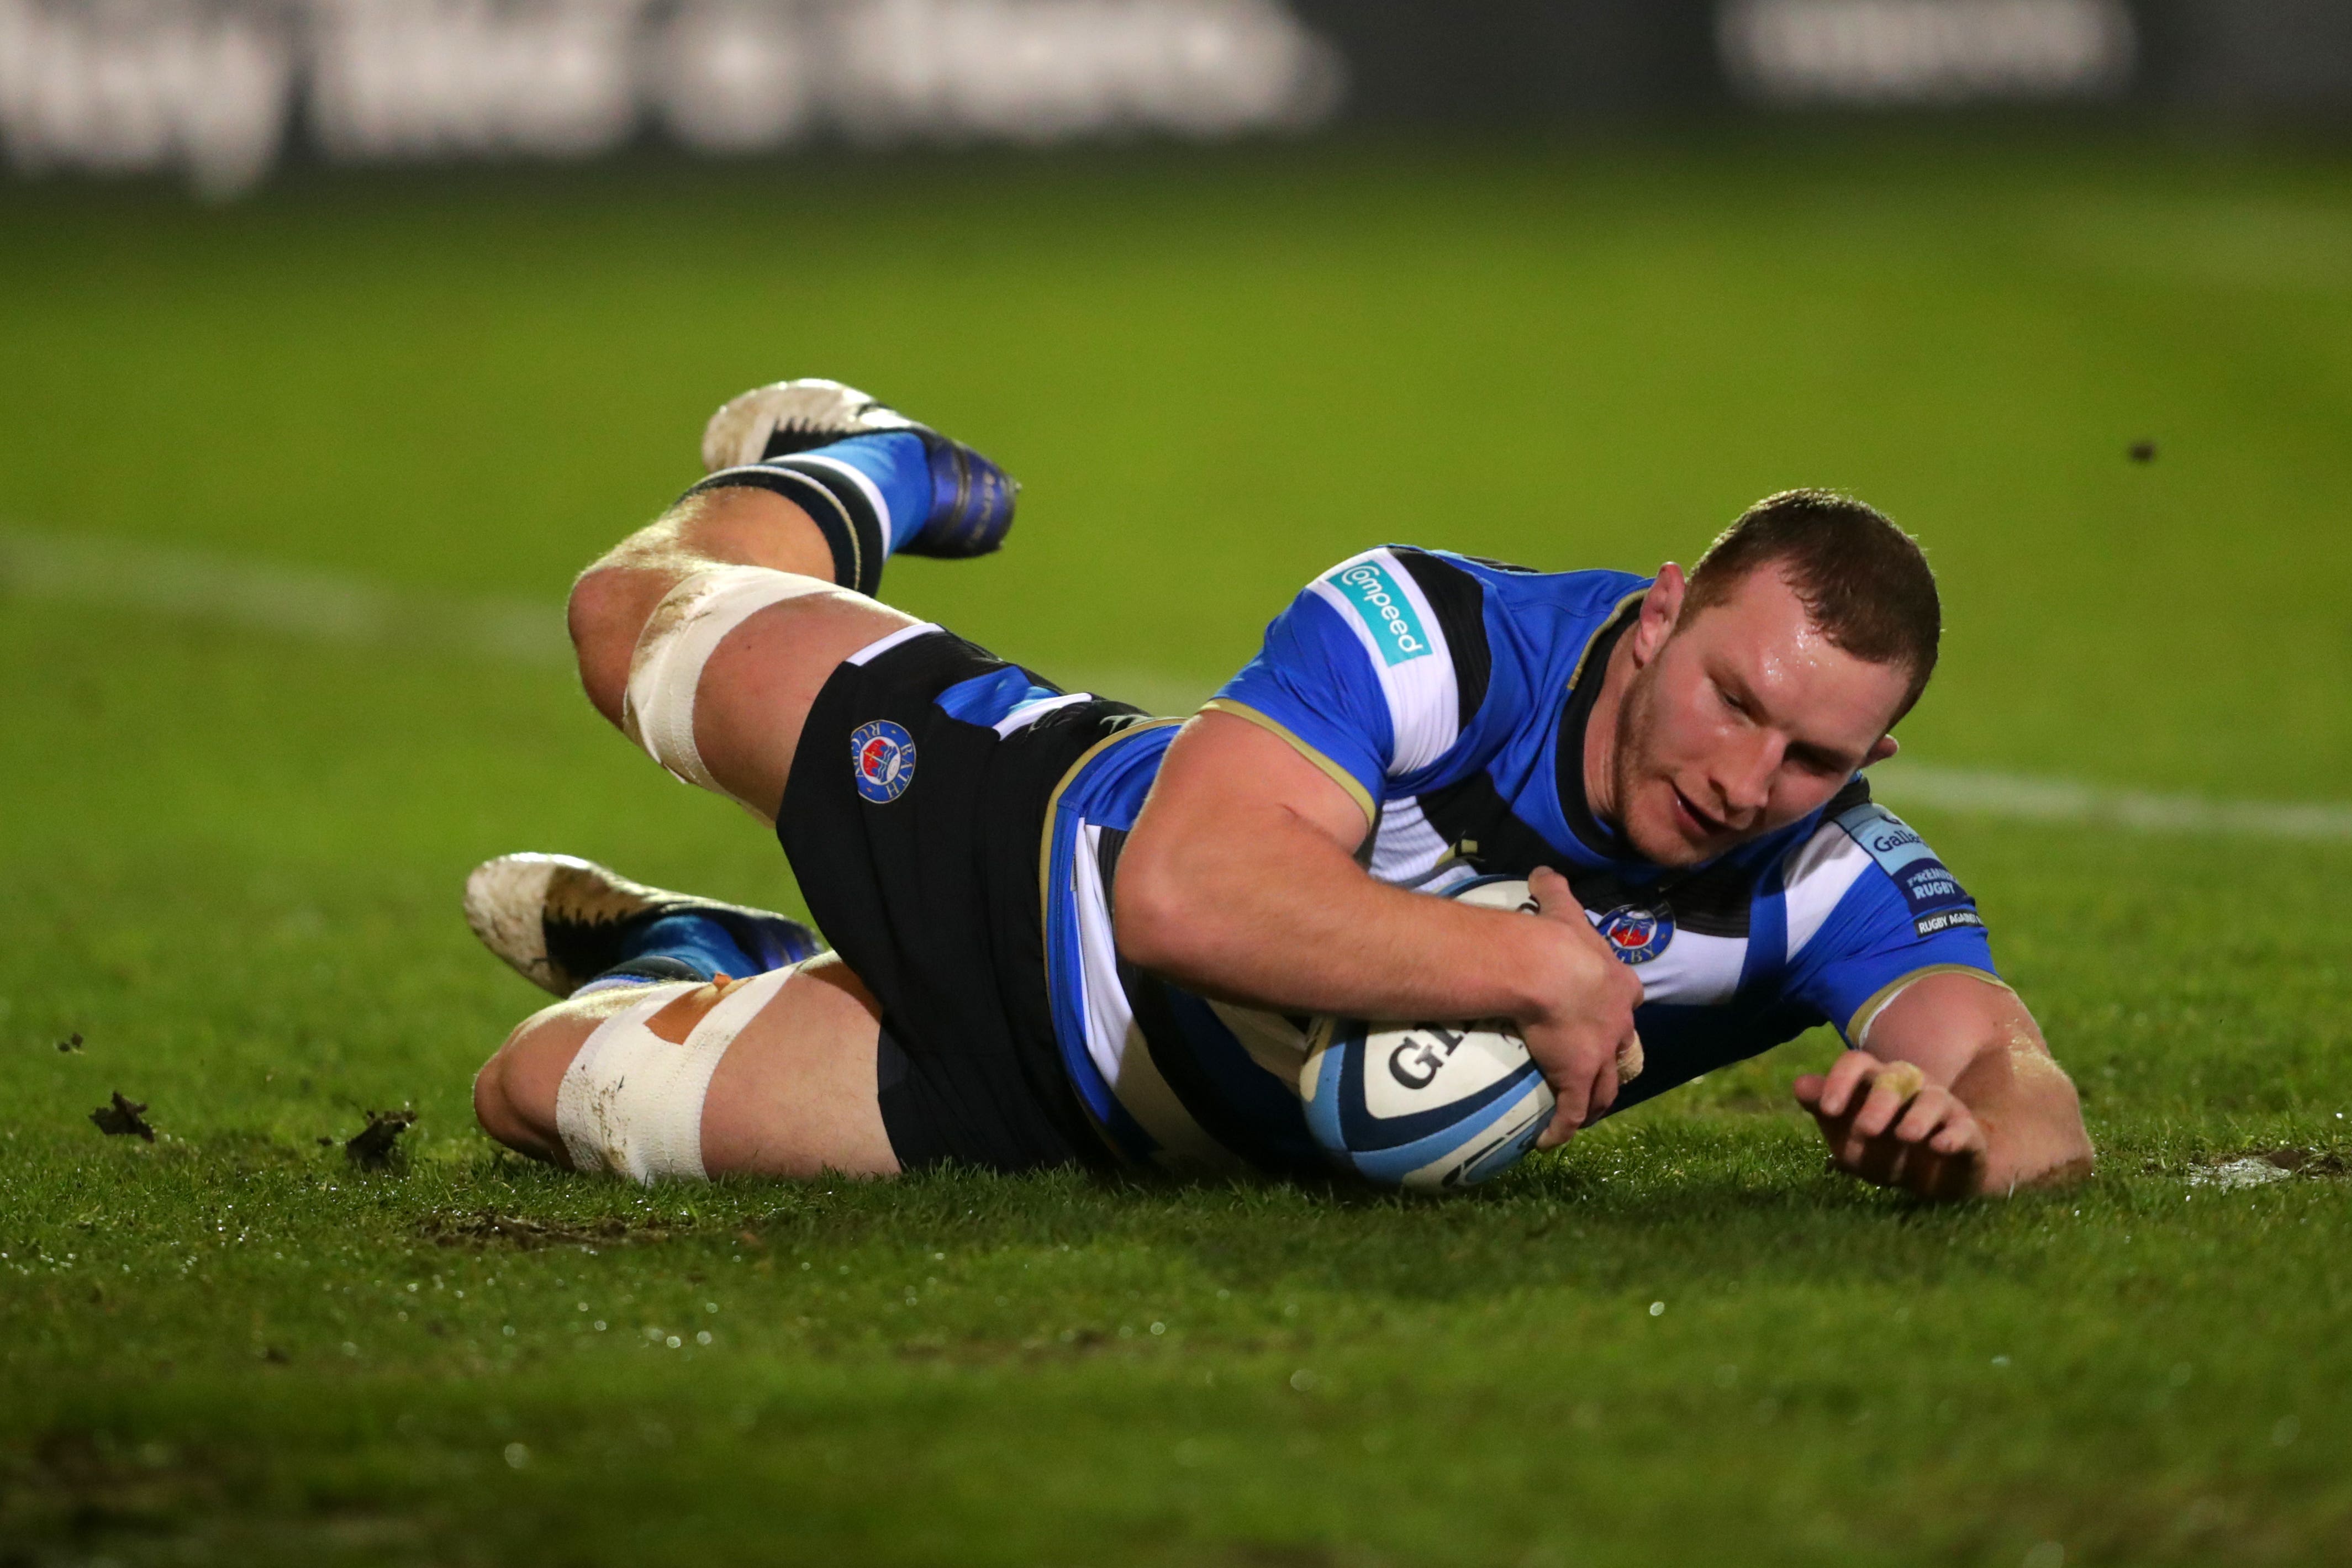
[(1885, 1123)]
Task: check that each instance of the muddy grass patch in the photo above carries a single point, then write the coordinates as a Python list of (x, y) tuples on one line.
[(82, 1485), (2260, 1168), (487, 1229)]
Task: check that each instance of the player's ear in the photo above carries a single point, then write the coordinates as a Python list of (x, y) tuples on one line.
[(1662, 607), (1885, 746)]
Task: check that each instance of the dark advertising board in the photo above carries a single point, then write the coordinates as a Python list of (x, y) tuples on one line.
[(224, 92)]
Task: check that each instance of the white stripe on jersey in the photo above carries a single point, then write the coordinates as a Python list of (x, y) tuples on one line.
[(1694, 971), (1405, 848), (1115, 1043), (1423, 696), (1818, 876), (1109, 1021)]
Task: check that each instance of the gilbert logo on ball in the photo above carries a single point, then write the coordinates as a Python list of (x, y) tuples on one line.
[(1429, 1107), (882, 758), (1637, 934)]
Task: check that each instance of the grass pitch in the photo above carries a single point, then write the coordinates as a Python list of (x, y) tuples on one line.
[(233, 861)]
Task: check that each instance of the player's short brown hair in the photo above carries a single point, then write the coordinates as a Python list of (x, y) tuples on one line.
[(1865, 582)]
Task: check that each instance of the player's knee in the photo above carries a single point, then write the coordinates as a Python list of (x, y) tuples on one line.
[(606, 613), (494, 1106), (514, 1094)]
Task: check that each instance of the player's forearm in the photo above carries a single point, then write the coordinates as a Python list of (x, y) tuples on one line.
[(1201, 909), (2032, 1116)]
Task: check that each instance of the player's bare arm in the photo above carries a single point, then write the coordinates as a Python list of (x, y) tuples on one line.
[(1241, 881), (1954, 1094)]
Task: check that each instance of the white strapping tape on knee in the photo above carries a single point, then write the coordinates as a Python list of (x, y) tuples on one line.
[(694, 618), (631, 1102)]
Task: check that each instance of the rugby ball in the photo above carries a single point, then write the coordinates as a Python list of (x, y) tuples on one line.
[(1426, 1106)]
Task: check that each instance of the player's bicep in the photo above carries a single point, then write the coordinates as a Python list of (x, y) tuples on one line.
[(1237, 820), (1228, 778)]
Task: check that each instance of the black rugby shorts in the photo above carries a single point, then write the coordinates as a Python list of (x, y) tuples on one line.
[(915, 836)]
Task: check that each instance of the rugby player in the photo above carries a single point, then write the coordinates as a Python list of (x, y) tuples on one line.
[(1063, 930)]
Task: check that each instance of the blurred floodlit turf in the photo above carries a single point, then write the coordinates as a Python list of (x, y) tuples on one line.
[(233, 861)]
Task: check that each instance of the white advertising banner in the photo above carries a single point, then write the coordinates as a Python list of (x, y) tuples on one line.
[(1893, 52), (218, 88)]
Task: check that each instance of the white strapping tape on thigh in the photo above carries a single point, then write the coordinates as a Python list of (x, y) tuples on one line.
[(694, 618), (631, 1102)]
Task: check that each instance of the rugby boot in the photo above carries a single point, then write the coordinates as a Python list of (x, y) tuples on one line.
[(560, 921), (971, 498)]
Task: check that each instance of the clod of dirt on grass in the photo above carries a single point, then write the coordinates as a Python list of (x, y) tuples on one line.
[(374, 1146), (2305, 1162), (487, 1228), (122, 1119), (2142, 451), (71, 1043)]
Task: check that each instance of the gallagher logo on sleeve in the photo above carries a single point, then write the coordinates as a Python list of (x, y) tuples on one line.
[(1385, 609), (1933, 896), (882, 759)]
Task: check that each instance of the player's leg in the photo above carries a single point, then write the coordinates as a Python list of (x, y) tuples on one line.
[(705, 635), (709, 638), (773, 1075), (693, 1037)]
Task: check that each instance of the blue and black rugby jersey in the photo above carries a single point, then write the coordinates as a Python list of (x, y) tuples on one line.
[(1449, 695)]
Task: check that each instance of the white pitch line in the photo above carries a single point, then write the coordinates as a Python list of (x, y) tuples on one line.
[(289, 601), (2020, 797), (295, 602)]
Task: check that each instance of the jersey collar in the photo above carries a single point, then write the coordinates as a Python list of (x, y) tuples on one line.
[(1568, 761)]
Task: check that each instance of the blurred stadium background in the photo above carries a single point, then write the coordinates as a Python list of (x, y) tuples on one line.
[(226, 89), (336, 334)]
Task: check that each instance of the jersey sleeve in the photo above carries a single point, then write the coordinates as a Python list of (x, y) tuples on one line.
[(1363, 673), (1870, 909)]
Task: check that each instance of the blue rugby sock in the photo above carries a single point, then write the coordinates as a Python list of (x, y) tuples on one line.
[(654, 971), (683, 946), (900, 468), (895, 468)]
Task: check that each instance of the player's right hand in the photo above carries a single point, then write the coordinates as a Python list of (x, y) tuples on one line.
[(1583, 1025)]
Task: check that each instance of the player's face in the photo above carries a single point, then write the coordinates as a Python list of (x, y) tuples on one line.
[(1745, 719)]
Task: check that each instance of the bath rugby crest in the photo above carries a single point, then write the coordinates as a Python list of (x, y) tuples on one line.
[(1636, 934), (883, 754)]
